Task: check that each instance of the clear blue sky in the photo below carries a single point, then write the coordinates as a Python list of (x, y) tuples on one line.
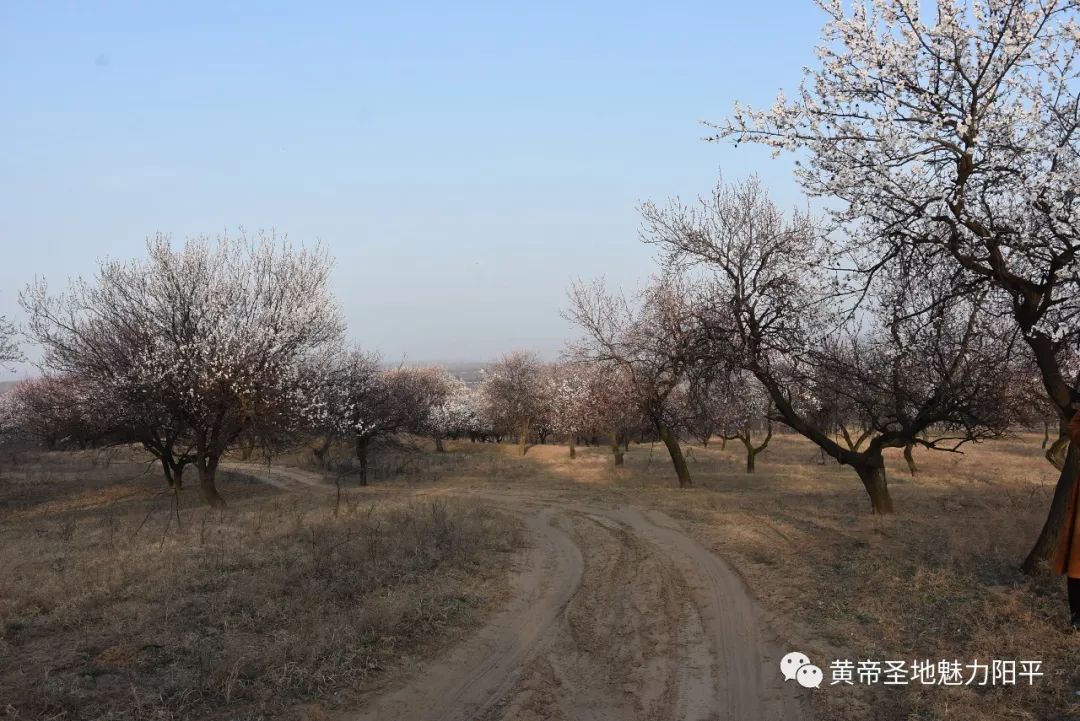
[(462, 161)]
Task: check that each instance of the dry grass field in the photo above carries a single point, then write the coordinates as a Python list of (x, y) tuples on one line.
[(273, 608), (937, 581), (277, 608)]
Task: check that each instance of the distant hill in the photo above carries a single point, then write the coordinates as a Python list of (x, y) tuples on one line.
[(5, 386)]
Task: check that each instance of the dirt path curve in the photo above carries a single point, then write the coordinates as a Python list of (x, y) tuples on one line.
[(615, 614)]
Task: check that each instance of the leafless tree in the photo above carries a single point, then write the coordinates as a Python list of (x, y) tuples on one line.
[(52, 411), (738, 408), (9, 349), (366, 404), (655, 341), (1033, 408), (918, 370)]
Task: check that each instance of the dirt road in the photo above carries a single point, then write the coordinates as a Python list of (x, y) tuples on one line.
[(615, 614)]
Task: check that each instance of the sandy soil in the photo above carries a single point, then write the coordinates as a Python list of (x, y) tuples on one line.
[(616, 613)]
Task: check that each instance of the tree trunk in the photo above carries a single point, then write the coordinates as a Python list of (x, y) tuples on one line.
[(207, 483), (174, 474), (248, 448), (677, 458), (523, 436), (723, 443), (751, 456), (439, 445), (362, 456), (573, 446), (910, 459), (877, 487), (178, 477), (616, 449), (1038, 559), (1056, 452), (1046, 434), (319, 450), (752, 451)]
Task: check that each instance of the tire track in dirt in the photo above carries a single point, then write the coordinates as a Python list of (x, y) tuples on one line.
[(615, 614), (656, 627), (621, 650), (476, 674)]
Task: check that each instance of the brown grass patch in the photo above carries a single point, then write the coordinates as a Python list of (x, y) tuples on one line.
[(273, 608), (937, 581), (277, 609)]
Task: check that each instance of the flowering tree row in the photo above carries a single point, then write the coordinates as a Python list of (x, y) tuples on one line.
[(196, 351), (213, 346), (946, 137)]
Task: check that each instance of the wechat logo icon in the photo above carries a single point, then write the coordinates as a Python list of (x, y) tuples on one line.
[(796, 667)]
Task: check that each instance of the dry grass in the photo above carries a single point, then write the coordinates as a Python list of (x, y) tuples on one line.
[(276, 602), (273, 608), (937, 581)]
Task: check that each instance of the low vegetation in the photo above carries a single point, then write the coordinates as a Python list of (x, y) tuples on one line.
[(272, 608), (938, 581)]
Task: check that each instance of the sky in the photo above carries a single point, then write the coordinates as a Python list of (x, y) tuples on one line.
[(463, 162)]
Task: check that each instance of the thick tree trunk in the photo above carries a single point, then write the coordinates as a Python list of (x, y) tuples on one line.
[(573, 446), (677, 458), (910, 459), (877, 487), (362, 457), (616, 449), (208, 485), (1038, 559), (523, 436)]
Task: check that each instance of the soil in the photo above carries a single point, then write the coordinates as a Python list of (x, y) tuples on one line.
[(615, 613)]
